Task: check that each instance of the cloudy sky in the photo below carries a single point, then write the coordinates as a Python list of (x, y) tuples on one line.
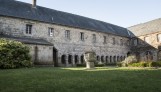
[(124, 13)]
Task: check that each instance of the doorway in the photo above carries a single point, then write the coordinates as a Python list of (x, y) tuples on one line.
[(55, 55)]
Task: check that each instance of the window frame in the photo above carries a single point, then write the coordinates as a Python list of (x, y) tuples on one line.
[(82, 36), (67, 34), (104, 39), (28, 29), (94, 38), (50, 31), (114, 41)]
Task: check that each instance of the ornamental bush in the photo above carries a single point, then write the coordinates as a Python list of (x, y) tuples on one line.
[(14, 54)]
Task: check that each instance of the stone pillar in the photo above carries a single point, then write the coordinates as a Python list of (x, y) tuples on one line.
[(59, 59), (79, 59), (66, 60)]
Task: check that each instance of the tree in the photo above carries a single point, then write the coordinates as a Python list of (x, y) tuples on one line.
[(14, 54)]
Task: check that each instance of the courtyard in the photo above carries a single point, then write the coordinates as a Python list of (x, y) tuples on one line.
[(105, 79)]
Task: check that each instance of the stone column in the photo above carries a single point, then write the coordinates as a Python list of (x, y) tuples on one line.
[(66, 60), (59, 59), (79, 59)]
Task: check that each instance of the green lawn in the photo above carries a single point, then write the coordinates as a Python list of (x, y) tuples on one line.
[(80, 80)]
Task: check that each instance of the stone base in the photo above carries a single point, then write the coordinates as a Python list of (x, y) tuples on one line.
[(90, 65)]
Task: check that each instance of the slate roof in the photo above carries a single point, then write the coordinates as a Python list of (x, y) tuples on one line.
[(27, 40), (19, 9), (146, 28)]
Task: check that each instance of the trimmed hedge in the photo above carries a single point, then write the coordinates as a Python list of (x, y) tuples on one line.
[(13, 54), (144, 64)]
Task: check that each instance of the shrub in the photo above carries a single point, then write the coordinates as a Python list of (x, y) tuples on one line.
[(99, 65), (145, 64), (81, 65), (111, 64), (14, 54), (155, 64)]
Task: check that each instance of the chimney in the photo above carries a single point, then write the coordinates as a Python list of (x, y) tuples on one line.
[(34, 3)]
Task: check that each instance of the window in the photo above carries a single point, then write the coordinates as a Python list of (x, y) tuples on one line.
[(50, 31), (28, 29), (113, 41), (128, 42), (135, 42), (159, 37), (104, 39), (82, 36), (94, 38), (121, 42), (67, 34)]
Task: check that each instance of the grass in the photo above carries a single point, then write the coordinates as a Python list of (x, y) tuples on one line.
[(80, 80)]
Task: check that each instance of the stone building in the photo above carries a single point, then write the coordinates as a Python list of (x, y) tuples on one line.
[(147, 40), (61, 39)]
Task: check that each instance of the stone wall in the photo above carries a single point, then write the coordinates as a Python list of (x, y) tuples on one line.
[(107, 52), (148, 47)]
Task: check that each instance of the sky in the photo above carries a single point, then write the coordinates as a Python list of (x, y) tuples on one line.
[(123, 13)]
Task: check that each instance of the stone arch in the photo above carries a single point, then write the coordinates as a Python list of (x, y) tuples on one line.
[(128, 54), (121, 59), (70, 58), (76, 59), (98, 58), (63, 57), (114, 59), (149, 56), (118, 58), (110, 59), (82, 59), (106, 59), (159, 55), (124, 58), (102, 59)]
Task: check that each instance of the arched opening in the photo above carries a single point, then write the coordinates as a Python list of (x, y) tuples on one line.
[(70, 59), (128, 54), (110, 59), (55, 55), (124, 58), (82, 59), (121, 59), (149, 56), (102, 59), (137, 54), (114, 59), (63, 59), (98, 58), (118, 59), (106, 59), (76, 59)]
